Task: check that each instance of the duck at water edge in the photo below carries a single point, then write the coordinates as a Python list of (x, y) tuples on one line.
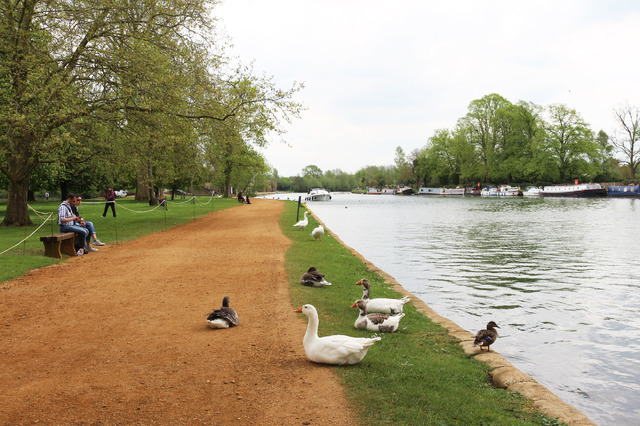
[(303, 223), (486, 337)]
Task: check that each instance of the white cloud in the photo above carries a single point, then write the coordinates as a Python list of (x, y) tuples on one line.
[(381, 74)]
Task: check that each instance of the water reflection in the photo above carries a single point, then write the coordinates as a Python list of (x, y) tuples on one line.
[(560, 276)]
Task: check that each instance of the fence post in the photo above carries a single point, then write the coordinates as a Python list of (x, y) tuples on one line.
[(298, 212)]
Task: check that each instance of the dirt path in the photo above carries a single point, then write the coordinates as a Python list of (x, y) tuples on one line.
[(119, 336)]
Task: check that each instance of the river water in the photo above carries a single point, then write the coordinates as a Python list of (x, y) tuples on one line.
[(561, 277)]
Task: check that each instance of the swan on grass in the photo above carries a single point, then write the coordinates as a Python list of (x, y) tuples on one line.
[(381, 305), (313, 278), (317, 233), (303, 223), (224, 317), (335, 349), (384, 323)]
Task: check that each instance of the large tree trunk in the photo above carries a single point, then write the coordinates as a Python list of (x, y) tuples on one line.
[(17, 209)]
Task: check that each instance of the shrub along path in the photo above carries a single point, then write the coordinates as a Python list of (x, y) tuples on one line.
[(119, 336)]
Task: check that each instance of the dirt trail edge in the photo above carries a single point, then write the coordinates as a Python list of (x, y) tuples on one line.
[(119, 336)]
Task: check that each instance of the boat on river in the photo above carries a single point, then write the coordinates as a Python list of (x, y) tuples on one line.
[(404, 190), (624, 191), (430, 191), (372, 190), (453, 191), (388, 191), (579, 190), (489, 191), (508, 191), (318, 194), (532, 191)]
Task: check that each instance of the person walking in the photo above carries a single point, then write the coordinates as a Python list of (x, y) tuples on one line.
[(110, 198)]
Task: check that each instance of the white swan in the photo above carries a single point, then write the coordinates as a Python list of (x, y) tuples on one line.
[(313, 278), (384, 323), (336, 349), (318, 233), (304, 222), (224, 317), (381, 305)]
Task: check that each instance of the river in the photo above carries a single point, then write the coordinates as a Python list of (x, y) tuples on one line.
[(560, 276)]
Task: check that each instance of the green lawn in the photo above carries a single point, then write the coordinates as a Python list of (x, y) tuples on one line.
[(416, 376), (134, 219)]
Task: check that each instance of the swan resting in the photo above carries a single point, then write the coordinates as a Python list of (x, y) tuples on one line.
[(224, 317), (302, 223), (335, 349), (486, 337), (381, 305), (313, 278), (384, 323)]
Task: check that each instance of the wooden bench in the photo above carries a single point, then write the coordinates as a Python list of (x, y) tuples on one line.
[(56, 244)]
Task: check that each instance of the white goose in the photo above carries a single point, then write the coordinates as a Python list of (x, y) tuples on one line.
[(317, 233), (381, 305), (304, 222), (336, 349), (224, 317), (313, 278), (383, 323)]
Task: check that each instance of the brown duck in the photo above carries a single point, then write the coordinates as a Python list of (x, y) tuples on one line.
[(486, 337)]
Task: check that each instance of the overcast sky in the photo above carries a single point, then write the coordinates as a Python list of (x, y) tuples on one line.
[(381, 74)]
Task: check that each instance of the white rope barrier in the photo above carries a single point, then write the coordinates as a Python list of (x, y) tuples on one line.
[(26, 238), (136, 211), (181, 202)]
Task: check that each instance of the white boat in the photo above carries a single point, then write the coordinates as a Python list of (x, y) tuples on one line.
[(489, 191), (388, 191), (453, 191), (318, 194), (404, 190), (430, 191), (508, 191), (579, 190), (532, 191), (372, 190)]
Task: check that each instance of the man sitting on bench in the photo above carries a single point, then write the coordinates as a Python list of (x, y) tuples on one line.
[(67, 223)]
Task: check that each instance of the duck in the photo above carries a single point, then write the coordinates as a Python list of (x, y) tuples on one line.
[(335, 349), (224, 317), (317, 233), (486, 337), (384, 323), (381, 305), (313, 278), (303, 223)]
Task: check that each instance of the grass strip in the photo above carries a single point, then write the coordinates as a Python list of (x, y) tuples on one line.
[(417, 375), (134, 220)]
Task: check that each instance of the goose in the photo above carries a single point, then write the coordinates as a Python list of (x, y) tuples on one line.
[(486, 337), (317, 233), (313, 278), (224, 317), (381, 305), (335, 349), (304, 222), (383, 323)]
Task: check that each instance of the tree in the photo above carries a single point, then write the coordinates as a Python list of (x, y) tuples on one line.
[(312, 171), (628, 143)]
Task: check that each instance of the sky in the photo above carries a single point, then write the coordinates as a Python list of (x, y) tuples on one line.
[(381, 74)]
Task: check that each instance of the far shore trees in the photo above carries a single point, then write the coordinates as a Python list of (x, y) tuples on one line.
[(628, 143)]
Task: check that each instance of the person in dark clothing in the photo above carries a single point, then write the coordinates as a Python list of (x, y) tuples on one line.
[(110, 197)]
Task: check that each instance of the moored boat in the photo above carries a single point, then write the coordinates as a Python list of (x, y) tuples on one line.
[(372, 190), (430, 191), (624, 191), (532, 191), (508, 191), (318, 194), (579, 190), (404, 190), (489, 191), (453, 191), (388, 191)]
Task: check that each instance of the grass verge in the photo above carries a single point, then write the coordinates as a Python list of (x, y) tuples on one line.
[(418, 375), (134, 219)]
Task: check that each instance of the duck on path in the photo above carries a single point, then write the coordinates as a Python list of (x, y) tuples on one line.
[(303, 223), (381, 305), (317, 233), (486, 337), (313, 278), (335, 349), (224, 317), (383, 323)]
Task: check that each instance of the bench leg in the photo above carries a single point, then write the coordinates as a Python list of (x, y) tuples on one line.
[(52, 249), (68, 246)]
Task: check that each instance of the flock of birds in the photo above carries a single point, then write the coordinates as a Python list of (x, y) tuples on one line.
[(381, 315)]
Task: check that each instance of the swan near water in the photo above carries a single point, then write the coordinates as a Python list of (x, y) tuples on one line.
[(381, 305), (317, 233), (335, 349), (224, 317), (313, 278), (384, 323), (302, 223), (486, 337)]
